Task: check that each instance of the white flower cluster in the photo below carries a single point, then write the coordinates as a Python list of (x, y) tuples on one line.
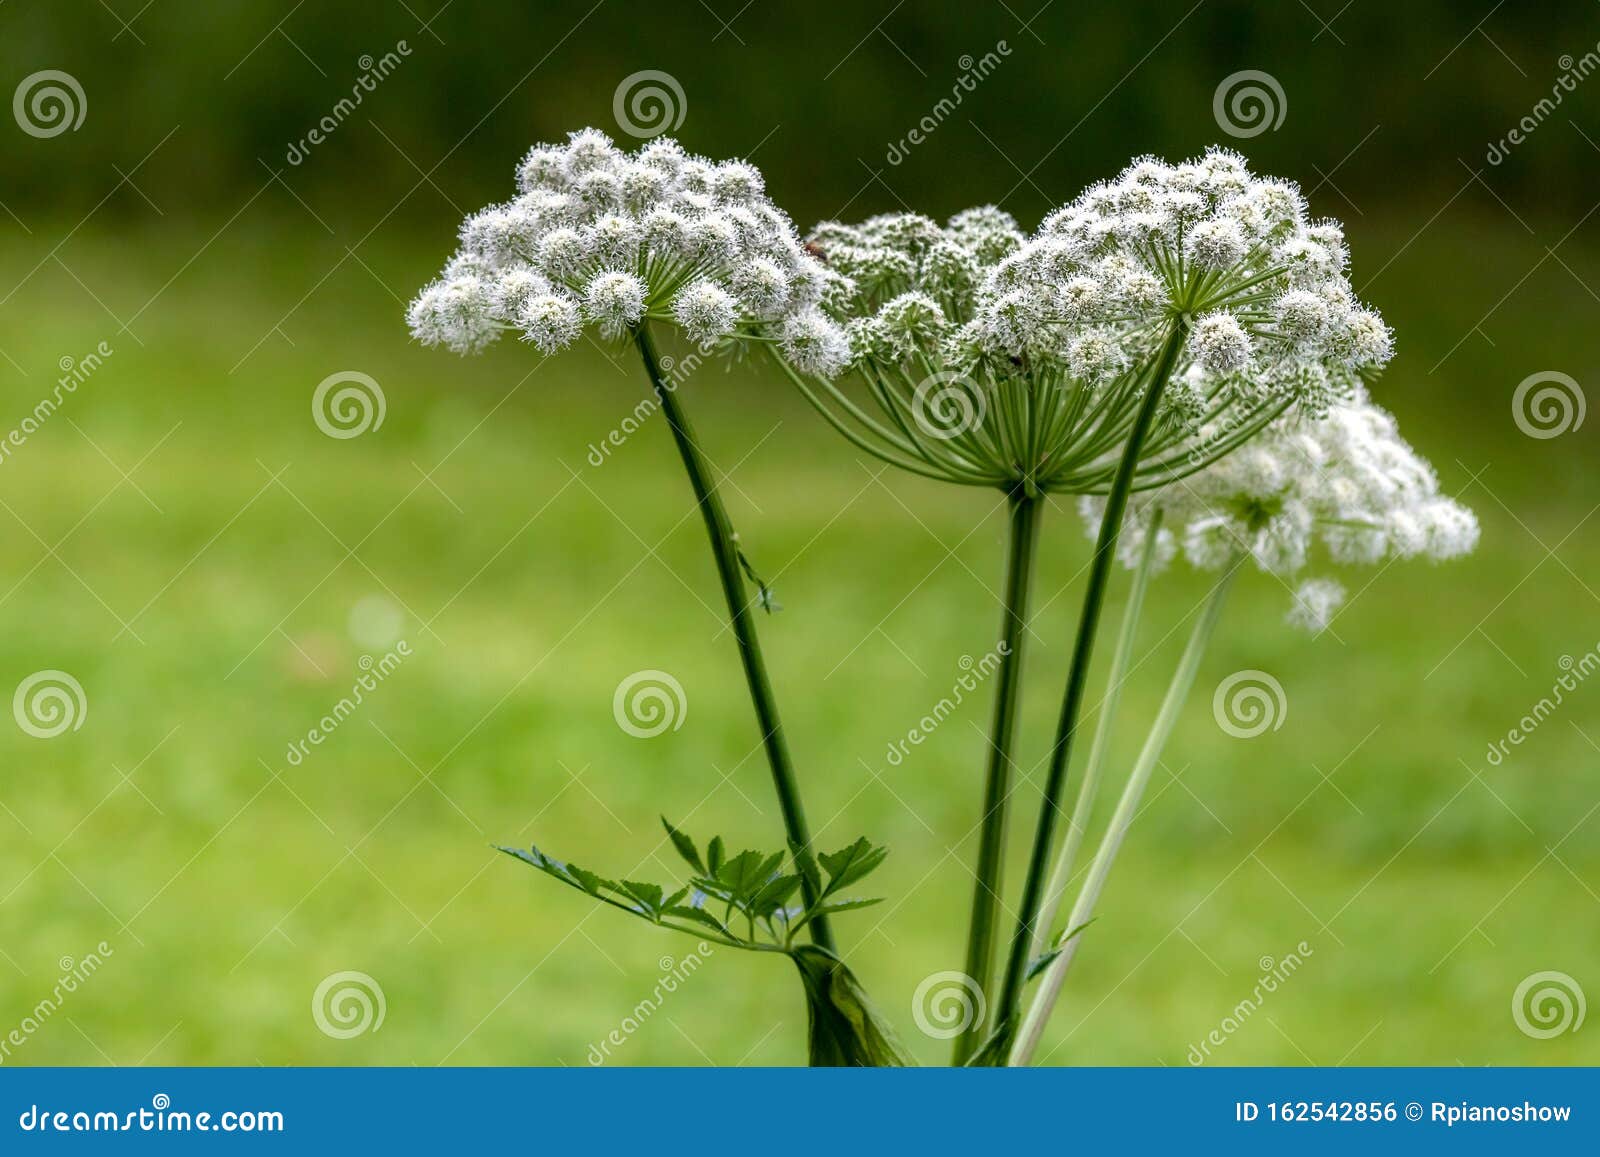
[(1077, 313), (903, 284), (1347, 480), (1272, 311), (598, 236)]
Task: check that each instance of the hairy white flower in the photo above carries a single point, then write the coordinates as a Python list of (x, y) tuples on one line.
[(1217, 244), (815, 345), (600, 236), (1347, 481), (1219, 343), (706, 311), (1096, 356), (455, 313), (551, 322), (1315, 602), (615, 300)]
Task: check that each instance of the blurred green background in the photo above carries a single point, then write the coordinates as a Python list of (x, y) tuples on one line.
[(183, 540)]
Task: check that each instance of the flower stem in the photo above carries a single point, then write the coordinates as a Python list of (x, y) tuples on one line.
[(725, 551), (1023, 537), (1089, 786), (1127, 807), (1078, 679)]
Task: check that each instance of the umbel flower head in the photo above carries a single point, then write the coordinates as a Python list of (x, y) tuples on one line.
[(596, 236), (1043, 346), (1347, 481)]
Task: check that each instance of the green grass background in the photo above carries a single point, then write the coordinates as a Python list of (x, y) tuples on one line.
[(1427, 883)]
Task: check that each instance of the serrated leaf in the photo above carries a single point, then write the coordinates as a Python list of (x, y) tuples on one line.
[(699, 916), (714, 855), (648, 895), (591, 882), (773, 895), (685, 846), (746, 874), (845, 904), (850, 864)]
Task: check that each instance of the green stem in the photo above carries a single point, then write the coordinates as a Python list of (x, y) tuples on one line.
[(1089, 787), (1127, 808), (725, 551), (1023, 537), (1078, 679)]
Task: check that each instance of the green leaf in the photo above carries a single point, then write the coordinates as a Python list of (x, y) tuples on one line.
[(685, 846), (746, 874), (592, 883), (714, 855), (848, 865), (648, 895), (845, 904), (1042, 961), (699, 916), (774, 894)]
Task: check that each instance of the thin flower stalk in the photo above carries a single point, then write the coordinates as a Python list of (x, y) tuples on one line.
[(1100, 747), (1346, 481), (1023, 535), (1032, 1027), (725, 552), (1077, 681)]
